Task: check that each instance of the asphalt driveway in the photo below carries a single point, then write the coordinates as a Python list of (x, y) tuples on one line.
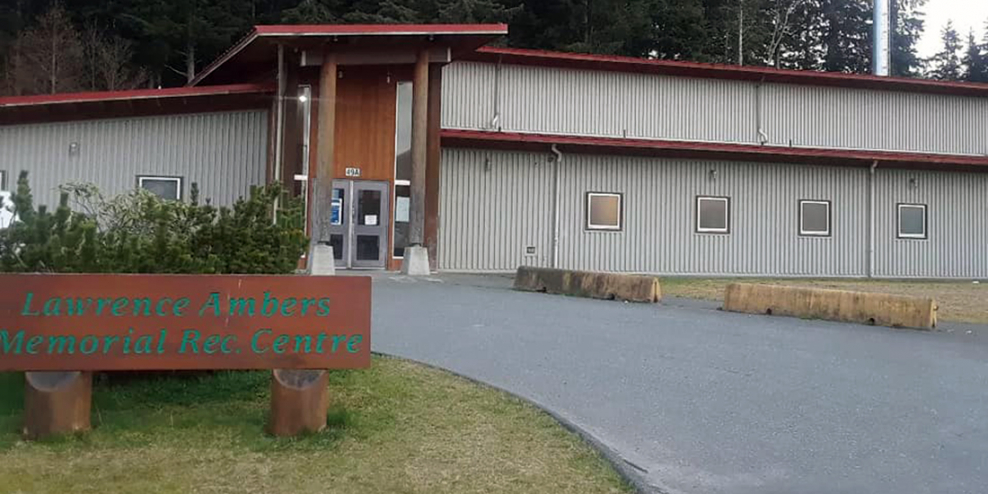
[(702, 401)]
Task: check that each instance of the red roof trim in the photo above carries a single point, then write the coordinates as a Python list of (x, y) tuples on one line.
[(706, 70), (51, 99), (380, 29), (472, 138), (350, 30), (228, 54)]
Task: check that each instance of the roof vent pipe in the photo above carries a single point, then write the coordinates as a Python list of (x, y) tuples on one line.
[(881, 38)]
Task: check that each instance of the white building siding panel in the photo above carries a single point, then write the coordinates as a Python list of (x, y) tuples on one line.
[(881, 120), (957, 225), (493, 206), (593, 103), (225, 153)]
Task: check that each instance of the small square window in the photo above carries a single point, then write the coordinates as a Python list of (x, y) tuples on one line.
[(912, 221), (712, 214), (6, 209), (603, 211), (3, 180), (814, 218), (163, 187)]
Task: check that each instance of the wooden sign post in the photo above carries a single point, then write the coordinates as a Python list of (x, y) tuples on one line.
[(70, 324)]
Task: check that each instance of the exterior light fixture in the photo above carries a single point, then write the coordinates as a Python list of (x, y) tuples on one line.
[(912, 183), (74, 149), (302, 98), (712, 174)]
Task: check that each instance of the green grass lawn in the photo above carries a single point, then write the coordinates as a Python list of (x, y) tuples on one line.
[(398, 427), (959, 301)]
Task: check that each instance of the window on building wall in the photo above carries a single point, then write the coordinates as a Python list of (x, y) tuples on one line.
[(603, 211), (6, 207), (814, 218), (163, 187), (403, 168), (912, 221), (301, 177), (712, 214)]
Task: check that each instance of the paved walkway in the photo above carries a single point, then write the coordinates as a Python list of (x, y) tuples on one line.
[(704, 401)]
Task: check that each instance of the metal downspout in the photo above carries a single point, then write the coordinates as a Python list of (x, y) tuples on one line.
[(871, 219), (555, 206), (762, 136), (495, 123)]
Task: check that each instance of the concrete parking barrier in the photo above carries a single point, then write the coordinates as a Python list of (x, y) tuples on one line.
[(882, 309), (607, 286)]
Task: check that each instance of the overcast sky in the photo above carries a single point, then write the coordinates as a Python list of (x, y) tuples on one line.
[(966, 14)]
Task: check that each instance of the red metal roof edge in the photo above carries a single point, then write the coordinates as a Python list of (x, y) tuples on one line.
[(720, 71), (48, 99), (380, 29), (346, 30), (740, 150), (220, 60)]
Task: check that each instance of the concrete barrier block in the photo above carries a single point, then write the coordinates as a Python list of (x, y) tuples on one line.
[(607, 286), (882, 309)]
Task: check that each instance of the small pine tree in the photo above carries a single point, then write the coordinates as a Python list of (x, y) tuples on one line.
[(946, 64), (40, 241), (975, 61), (142, 233)]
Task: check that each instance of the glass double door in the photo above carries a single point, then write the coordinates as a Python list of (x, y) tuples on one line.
[(359, 223)]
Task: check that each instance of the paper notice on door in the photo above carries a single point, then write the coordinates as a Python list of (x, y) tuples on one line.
[(336, 212), (370, 219), (401, 210)]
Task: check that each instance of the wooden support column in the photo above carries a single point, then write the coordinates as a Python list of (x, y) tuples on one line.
[(420, 132), (434, 160), (291, 163), (322, 187), (57, 403), (279, 131)]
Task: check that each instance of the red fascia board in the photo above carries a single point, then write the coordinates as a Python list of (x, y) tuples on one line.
[(136, 94), (382, 29), (302, 30), (744, 152), (716, 71)]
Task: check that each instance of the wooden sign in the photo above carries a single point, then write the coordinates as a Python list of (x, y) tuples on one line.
[(175, 322)]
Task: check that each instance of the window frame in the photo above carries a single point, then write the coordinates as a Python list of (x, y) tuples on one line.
[(179, 180), (590, 227), (727, 215), (898, 222), (830, 218)]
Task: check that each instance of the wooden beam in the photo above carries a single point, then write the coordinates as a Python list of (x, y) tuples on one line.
[(292, 147), (432, 178), (420, 126), (322, 188)]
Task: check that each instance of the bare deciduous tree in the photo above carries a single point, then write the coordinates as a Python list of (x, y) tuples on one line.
[(51, 57), (108, 65), (781, 12)]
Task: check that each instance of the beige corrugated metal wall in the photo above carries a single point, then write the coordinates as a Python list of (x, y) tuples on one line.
[(490, 214), (492, 207), (957, 211), (866, 119), (225, 153), (614, 104)]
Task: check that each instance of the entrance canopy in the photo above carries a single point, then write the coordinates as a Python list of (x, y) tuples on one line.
[(355, 44)]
